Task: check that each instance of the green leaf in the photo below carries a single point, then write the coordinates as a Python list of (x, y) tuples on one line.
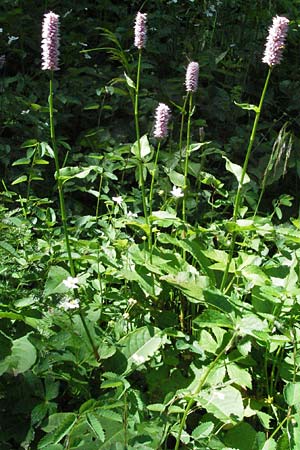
[(239, 375), (291, 393), (54, 283), (96, 426), (212, 318), (140, 345), (59, 425), (226, 404), (203, 431), (145, 147), (21, 161), (248, 106), (129, 81), (176, 178), (270, 444), (236, 170), (20, 179), (29, 143), (243, 437), (22, 357), (192, 285)]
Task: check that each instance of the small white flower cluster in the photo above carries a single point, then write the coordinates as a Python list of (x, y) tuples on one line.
[(118, 200), (69, 303), (71, 282), (177, 192)]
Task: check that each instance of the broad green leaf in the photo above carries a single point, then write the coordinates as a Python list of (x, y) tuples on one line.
[(22, 357), (140, 345), (203, 431), (226, 404), (243, 437), (51, 388), (236, 170), (270, 444), (291, 394), (239, 375), (255, 275), (213, 318), (176, 178), (54, 283), (192, 285), (145, 147)]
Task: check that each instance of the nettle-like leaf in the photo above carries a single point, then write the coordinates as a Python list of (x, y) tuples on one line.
[(22, 358), (54, 283), (140, 345), (226, 404)]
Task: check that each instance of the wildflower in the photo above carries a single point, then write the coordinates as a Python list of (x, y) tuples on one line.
[(126, 315), (118, 200), (131, 301), (50, 41), (276, 41), (71, 282), (69, 303), (162, 117), (131, 214), (140, 30), (191, 77), (177, 192)]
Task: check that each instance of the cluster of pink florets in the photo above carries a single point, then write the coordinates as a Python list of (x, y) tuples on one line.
[(162, 117), (191, 78), (50, 41), (140, 30), (276, 41)]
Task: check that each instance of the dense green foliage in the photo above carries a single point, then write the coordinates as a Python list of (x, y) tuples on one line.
[(178, 328)]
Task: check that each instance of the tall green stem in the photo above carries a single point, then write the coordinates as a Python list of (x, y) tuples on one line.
[(187, 154), (151, 200), (201, 383), (59, 180), (137, 131), (238, 197), (183, 113), (63, 207)]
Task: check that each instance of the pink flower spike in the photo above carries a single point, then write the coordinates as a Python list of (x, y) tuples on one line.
[(50, 41), (191, 78), (276, 41), (162, 117), (140, 30)]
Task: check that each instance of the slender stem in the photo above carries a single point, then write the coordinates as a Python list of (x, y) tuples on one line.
[(153, 179), (63, 207), (183, 113), (150, 240), (59, 180), (187, 154), (202, 381), (238, 197), (137, 131)]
